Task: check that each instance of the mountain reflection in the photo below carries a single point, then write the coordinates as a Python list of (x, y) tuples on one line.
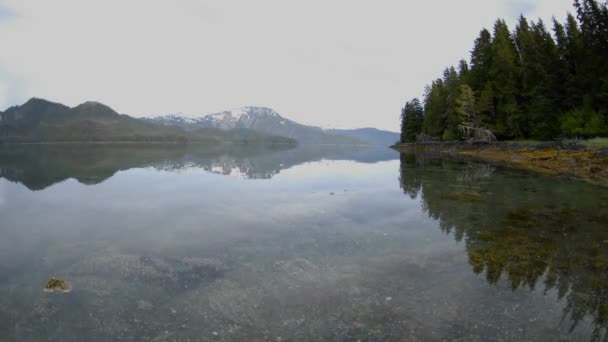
[(530, 230), (40, 166)]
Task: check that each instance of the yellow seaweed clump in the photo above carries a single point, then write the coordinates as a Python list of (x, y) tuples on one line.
[(57, 285), (585, 164)]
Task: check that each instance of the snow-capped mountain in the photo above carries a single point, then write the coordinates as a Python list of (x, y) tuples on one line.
[(264, 120), (173, 120), (246, 117)]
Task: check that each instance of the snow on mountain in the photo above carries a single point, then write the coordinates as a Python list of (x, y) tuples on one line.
[(245, 117), (174, 120), (263, 120)]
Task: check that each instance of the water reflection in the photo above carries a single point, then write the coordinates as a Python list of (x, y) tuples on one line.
[(331, 249), (530, 231), (40, 166)]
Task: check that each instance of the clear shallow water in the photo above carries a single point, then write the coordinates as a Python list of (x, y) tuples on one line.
[(175, 244)]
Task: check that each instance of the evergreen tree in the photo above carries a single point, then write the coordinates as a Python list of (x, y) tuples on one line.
[(404, 137), (481, 59), (593, 17), (417, 120), (528, 83), (434, 109), (594, 24), (466, 107), (485, 106), (412, 117), (539, 57), (504, 73), (568, 94), (577, 67), (463, 71), (452, 91)]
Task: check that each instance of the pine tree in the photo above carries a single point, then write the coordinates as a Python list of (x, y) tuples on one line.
[(537, 98), (594, 24), (486, 106), (418, 115), (412, 117), (452, 91), (481, 59), (434, 109), (568, 94), (403, 125), (463, 71), (504, 73), (466, 107), (593, 17), (529, 83)]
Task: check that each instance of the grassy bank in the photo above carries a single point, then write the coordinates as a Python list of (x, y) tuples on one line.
[(586, 160)]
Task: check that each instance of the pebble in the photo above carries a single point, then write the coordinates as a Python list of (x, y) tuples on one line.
[(388, 299), (215, 333)]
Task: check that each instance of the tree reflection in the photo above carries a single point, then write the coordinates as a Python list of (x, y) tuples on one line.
[(522, 227)]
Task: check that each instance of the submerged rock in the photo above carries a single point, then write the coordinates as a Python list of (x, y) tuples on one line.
[(57, 285)]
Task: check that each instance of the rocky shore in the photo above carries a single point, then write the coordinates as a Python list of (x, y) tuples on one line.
[(548, 158)]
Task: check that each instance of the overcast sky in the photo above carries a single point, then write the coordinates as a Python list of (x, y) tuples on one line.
[(332, 63)]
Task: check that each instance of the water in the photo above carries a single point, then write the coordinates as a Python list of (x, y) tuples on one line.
[(191, 244)]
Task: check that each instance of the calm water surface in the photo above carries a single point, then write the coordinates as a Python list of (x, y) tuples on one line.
[(187, 244)]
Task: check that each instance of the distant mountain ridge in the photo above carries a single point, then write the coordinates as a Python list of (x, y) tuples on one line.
[(378, 136), (39, 120), (266, 120)]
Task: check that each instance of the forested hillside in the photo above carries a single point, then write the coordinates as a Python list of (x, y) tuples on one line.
[(539, 81)]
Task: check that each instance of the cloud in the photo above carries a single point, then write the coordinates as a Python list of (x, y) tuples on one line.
[(338, 63)]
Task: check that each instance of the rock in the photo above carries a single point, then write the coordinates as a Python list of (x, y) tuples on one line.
[(57, 285)]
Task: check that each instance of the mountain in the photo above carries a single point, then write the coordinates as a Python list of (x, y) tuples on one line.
[(263, 120), (373, 135), (40, 120)]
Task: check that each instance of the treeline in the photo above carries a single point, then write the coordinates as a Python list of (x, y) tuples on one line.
[(534, 82)]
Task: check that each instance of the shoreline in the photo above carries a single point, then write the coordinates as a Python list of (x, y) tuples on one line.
[(590, 165)]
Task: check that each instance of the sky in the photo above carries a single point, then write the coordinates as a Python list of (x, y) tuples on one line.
[(329, 63)]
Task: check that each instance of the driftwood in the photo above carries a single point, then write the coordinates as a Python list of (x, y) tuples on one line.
[(425, 139), (477, 134)]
